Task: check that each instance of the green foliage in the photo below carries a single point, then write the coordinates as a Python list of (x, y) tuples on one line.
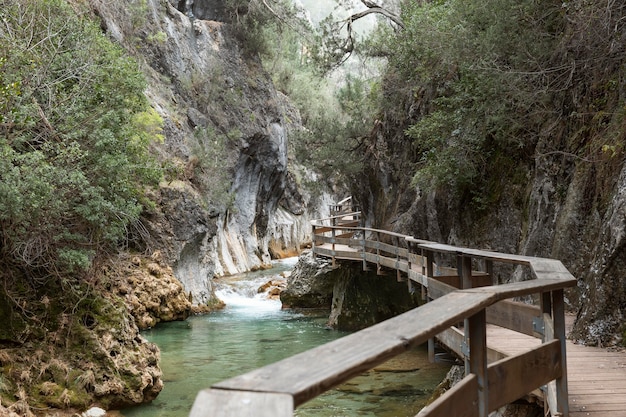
[(210, 162), (336, 111), (249, 18), (76, 129), (477, 71)]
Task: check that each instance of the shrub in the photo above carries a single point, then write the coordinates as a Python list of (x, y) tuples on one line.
[(75, 130)]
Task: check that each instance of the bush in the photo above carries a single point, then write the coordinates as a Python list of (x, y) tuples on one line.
[(476, 75), (76, 128)]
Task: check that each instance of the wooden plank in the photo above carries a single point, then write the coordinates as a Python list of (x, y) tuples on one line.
[(343, 254), (459, 401), (386, 247), (338, 240), (346, 238), (418, 277), (560, 384), (476, 253), (437, 289), (322, 229), (346, 254), (348, 223), (223, 403), (512, 378), (310, 373), (514, 315), (451, 280), (452, 339), (518, 289)]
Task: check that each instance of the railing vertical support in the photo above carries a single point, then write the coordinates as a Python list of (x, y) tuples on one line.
[(313, 239), (478, 358), (464, 270), (332, 233), (553, 309), (430, 272), (396, 243), (378, 269), (409, 267), (363, 241), (489, 271)]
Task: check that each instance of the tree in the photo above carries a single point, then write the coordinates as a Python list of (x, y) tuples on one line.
[(75, 130), (476, 76), (337, 40)]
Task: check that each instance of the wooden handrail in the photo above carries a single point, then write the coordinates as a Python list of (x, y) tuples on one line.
[(275, 390)]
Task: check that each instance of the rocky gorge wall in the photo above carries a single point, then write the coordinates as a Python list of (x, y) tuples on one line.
[(355, 299), (233, 203), (566, 208)]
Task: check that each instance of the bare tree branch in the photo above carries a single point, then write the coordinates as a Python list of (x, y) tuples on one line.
[(375, 8)]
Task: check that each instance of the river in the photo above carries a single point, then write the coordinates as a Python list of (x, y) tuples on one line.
[(253, 331)]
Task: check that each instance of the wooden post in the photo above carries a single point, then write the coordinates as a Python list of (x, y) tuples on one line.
[(464, 270), (430, 272), (332, 234), (478, 359), (363, 240), (313, 240), (396, 242), (409, 266), (378, 253), (558, 317), (489, 270)]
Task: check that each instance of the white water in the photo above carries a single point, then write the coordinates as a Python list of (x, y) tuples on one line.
[(240, 292)]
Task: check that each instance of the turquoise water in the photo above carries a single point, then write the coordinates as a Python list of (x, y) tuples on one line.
[(253, 331)]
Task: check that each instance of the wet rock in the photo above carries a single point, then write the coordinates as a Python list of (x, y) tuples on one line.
[(310, 284), (273, 288)]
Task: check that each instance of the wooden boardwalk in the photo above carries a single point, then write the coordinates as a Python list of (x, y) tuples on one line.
[(596, 376), (512, 350)]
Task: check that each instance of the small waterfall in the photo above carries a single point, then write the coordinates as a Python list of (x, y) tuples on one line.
[(241, 293)]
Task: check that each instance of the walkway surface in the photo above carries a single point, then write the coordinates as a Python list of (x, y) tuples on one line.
[(596, 376)]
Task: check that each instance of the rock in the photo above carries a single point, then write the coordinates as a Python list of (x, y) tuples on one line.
[(94, 412), (310, 284), (363, 298), (356, 298), (150, 289)]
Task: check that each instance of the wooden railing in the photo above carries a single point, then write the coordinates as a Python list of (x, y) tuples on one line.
[(455, 295)]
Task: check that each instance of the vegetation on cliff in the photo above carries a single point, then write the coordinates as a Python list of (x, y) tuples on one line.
[(489, 80), (75, 128), (510, 118)]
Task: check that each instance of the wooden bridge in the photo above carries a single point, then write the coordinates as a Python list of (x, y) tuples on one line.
[(512, 350)]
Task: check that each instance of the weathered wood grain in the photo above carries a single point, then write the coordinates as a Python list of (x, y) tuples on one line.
[(308, 374), (221, 403)]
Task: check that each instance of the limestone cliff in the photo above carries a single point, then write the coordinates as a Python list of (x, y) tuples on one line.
[(231, 202)]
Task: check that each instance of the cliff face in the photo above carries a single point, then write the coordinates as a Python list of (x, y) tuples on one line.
[(231, 202), (564, 206), (556, 217), (552, 186)]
